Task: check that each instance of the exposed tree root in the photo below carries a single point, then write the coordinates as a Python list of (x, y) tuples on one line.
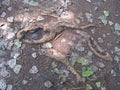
[(98, 51)]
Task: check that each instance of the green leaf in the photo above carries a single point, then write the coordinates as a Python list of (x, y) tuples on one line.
[(104, 21), (87, 71), (98, 84), (106, 13), (88, 87), (18, 43), (82, 61), (55, 69)]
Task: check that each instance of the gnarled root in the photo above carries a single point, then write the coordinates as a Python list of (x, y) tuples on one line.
[(98, 51), (31, 28)]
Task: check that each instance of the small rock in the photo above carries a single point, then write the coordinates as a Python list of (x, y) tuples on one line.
[(10, 8), (93, 31), (113, 73), (100, 40), (11, 63), (9, 87), (3, 14), (31, 2), (4, 72), (103, 88), (34, 55), (104, 35), (117, 26), (88, 0), (2, 84), (10, 35), (111, 23), (89, 17), (15, 55), (10, 19), (117, 59), (101, 65), (96, 8), (117, 51), (48, 84), (90, 53), (24, 82), (80, 48), (2, 53), (17, 69), (6, 2), (2, 63), (33, 70)]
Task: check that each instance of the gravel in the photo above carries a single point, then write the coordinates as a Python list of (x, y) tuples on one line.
[(89, 17), (117, 26), (10, 19), (33, 70), (48, 84), (9, 87), (6, 2), (100, 40), (4, 72), (3, 14), (11, 63), (34, 55), (2, 84), (24, 82), (113, 73), (17, 69), (10, 8)]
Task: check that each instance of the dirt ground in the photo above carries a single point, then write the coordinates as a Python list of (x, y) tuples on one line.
[(48, 69)]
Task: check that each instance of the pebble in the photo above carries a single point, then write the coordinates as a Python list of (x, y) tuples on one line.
[(33, 70), (4, 72), (15, 55), (17, 69), (117, 26), (111, 23), (93, 31), (24, 82), (80, 48), (6, 2), (89, 17), (9, 87), (31, 2), (11, 63), (100, 40), (10, 19), (101, 64), (10, 8), (10, 35), (34, 55), (2, 63), (117, 51), (2, 53), (3, 14), (103, 88), (113, 73), (48, 84), (2, 84), (88, 0), (117, 59)]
